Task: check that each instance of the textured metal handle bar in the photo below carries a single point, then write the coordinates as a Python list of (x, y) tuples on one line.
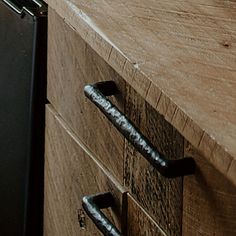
[(169, 168), (93, 204)]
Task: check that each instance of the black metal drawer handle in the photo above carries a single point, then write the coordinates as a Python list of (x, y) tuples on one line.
[(169, 168), (93, 204)]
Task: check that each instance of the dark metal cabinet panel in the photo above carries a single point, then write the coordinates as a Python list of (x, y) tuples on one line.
[(22, 75)]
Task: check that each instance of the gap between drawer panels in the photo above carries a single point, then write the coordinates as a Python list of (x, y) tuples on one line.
[(72, 172)]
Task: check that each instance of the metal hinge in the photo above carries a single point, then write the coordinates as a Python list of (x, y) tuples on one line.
[(39, 7)]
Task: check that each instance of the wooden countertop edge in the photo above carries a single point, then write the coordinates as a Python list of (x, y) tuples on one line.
[(214, 152)]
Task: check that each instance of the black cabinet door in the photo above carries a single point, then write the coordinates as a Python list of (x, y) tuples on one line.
[(22, 97)]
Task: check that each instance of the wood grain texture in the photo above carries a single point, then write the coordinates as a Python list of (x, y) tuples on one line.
[(139, 222), (209, 201), (71, 172), (184, 50), (159, 196), (72, 64)]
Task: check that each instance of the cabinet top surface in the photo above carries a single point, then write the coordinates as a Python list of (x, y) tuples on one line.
[(179, 55)]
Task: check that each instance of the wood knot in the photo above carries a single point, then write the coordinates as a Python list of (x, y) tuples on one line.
[(226, 44)]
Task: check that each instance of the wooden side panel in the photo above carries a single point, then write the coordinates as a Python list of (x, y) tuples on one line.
[(139, 222), (209, 201), (70, 174), (161, 197), (71, 65)]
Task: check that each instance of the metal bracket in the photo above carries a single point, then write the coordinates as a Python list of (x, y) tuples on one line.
[(24, 9)]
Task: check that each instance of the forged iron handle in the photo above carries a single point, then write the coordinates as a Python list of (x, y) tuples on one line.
[(169, 168), (93, 204)]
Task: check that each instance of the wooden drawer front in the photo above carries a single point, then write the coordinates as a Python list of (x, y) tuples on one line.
[(70, 174), (139, 222), (161, 197), (71, 65), (209, 201)]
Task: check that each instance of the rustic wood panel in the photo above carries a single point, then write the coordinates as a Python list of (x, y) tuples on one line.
[(71, 173), (184, 50), (139, 222), (209, 201), (71, 65), (160, 197)]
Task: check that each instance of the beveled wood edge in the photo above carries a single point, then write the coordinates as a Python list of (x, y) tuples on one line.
[(191, 131)]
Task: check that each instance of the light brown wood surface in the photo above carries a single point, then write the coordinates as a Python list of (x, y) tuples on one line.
[(209, 201), (159, 196), (139, 222), (179, 55), (71, 65), (71, 172)]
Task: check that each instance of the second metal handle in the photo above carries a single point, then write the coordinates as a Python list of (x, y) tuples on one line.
[(169, 168), (92, 205)]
